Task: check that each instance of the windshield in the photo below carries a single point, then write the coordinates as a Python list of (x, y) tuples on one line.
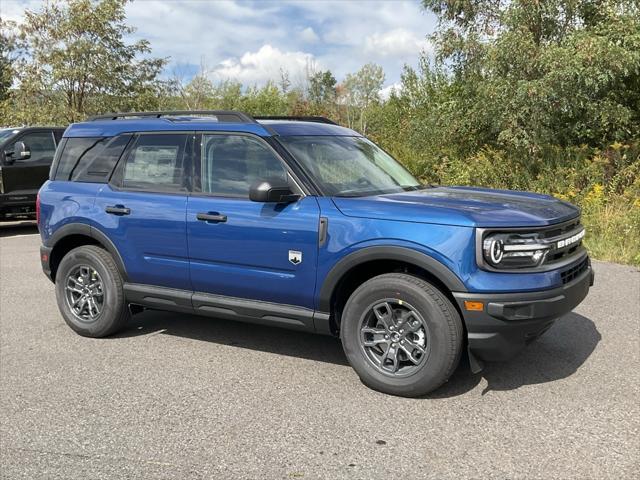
[(349, 166), (6, 133)]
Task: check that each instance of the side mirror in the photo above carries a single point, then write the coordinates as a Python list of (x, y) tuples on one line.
[(20, 152), (272, 191)]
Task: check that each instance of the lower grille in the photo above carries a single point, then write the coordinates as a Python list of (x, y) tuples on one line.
[(574, 272)]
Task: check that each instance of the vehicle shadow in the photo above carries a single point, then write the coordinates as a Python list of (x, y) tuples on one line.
[(280, 341), (11, 229), (558, 354)]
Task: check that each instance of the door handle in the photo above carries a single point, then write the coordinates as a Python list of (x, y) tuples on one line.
[(117, 210), (211, 217)]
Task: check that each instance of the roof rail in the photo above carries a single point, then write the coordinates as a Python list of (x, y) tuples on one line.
[(297, 118), (227, 116)]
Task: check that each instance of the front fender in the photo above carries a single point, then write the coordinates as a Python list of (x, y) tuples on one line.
[(385, 252)]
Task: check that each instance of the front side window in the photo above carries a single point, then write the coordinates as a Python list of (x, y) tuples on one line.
[(230, 164), (156, 162), (40, 145), (349, 166)]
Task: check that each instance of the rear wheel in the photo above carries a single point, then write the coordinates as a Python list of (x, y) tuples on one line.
[(401, 335), (90, 293)]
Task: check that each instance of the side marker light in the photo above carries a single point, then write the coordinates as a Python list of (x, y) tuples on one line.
[(473, 306)]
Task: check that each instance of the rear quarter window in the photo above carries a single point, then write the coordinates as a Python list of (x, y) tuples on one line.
[(90, 159)]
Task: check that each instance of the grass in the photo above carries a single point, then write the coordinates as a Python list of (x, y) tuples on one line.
[(605, 184), (613, 231)]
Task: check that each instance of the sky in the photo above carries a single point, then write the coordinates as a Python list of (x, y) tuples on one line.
[(251, 41)]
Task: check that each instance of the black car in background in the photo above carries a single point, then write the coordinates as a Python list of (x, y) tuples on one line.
[(25, 158)]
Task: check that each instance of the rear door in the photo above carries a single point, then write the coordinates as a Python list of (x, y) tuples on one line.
[(143, 209), (23, 177), (256, 251)]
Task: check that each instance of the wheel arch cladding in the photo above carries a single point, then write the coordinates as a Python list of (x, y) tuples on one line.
[(75, 235), (360, 266)]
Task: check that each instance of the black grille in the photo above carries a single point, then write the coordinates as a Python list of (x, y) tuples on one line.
[(553, 233), (574, 272), (562, 229)]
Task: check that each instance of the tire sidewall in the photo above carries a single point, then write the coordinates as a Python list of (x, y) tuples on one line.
[(430, 374), (112, 290)]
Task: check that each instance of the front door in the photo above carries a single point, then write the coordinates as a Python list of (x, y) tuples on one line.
[(143, 209), (245, 249), (22, 177)]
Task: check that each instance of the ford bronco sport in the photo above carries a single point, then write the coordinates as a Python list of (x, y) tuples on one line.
[(300, 223), (26, 154)]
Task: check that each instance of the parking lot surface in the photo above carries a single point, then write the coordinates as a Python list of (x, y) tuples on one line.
[(184, 397)]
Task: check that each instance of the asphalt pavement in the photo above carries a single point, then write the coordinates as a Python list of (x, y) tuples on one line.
[(183, 397)]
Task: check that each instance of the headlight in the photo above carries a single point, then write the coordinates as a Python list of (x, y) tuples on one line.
[(537, 249), (514, 250)]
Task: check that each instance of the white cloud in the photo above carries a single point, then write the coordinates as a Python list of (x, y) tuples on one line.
[(398, 42), (308, 35), (385, 93), (13, 10), (263, 65), (341, 35)]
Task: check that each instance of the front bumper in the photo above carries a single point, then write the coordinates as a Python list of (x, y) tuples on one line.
[(508, 322)]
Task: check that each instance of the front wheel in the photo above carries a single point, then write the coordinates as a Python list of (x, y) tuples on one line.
[(401, 335), (90, 293)]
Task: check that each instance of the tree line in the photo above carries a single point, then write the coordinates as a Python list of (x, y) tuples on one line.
[(539, 95), (70, 60)]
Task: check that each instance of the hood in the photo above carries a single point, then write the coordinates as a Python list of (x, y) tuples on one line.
[(464, 206)]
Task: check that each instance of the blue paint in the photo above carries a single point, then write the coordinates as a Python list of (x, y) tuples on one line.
[(162, 243)]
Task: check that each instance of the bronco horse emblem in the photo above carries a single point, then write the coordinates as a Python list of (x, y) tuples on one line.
[(295, 257)]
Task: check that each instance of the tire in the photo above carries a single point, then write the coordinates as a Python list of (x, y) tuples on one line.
[(407, 299), (105, 314)]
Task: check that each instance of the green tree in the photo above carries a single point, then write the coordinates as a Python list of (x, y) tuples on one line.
[(530, 73), (8, 55), (361, 90), (228, 95), (77, 62), (196, 94), (322, 88), (268, 100)]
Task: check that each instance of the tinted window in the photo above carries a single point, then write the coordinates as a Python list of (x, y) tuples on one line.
[(232, 163), (74, 152), (40, 144), (98, 162), (156, 162)]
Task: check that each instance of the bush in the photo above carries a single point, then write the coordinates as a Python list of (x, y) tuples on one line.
[(604, 183)]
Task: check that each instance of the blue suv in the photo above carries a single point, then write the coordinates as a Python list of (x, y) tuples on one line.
[(300, 223)]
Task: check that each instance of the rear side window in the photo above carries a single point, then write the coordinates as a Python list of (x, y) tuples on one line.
[(90, 159), (156, 163)]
